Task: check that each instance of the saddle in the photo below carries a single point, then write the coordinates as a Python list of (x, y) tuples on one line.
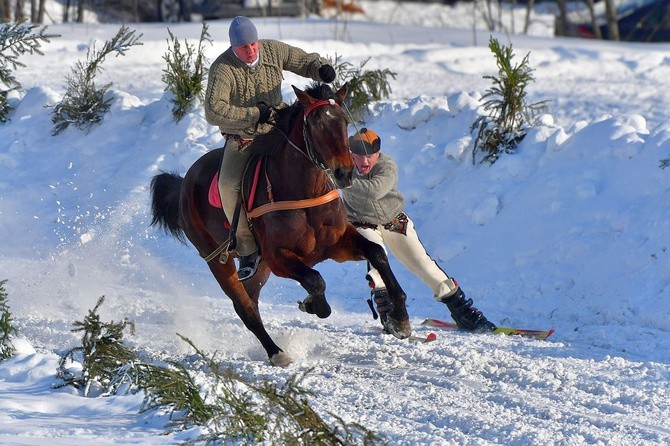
[(214, 199), (214, 195)]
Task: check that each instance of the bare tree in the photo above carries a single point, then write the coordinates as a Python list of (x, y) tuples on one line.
[(40, 11), (80, 11), (19, 16), (594, 20), (5, 10), (612, 24), (529, 9), (560, 24)]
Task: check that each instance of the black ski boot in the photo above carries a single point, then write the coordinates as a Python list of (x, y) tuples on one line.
[(466, 316)]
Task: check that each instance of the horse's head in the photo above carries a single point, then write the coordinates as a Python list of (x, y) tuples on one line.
[(325, 131)]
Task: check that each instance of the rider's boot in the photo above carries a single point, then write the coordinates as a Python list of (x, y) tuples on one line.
[(248, 266)]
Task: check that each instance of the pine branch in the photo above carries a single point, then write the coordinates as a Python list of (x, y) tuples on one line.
[(84, 104), (6, 328), (17, 39), (363, 86), (507, 114), (101, 354), (232, 410), (185, 73), (280, 415)]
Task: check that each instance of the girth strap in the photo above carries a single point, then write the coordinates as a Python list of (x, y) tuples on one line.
[(293, 204)]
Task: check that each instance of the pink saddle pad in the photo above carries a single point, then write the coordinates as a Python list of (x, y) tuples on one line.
[(214, 196)]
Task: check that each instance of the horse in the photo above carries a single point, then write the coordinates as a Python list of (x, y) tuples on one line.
[(299, 222)]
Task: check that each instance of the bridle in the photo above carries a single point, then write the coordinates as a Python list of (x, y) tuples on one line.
[(311, 154)]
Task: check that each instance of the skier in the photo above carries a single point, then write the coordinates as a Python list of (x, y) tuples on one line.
[(376, 208)]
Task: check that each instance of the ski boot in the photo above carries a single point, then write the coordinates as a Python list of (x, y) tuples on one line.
[(466, 316)]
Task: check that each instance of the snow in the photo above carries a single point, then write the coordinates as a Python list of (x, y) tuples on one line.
[(571, 232)]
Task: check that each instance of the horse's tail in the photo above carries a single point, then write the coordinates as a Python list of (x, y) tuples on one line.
[(165, 190)]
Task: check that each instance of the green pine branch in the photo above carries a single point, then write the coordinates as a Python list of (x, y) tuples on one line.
[(85, 104), (363, 86), (229, 408), (101, 354), (16, 40), (7, 331), (507, 113), (185, 72)]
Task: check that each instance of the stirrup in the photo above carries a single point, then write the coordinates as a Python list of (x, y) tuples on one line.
[(248, 266)]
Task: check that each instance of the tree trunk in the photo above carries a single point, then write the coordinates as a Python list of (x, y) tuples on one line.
[(594, 20), (529, 9), (80, 11), (40, 11), (612, 24), (18, 12), (66, 11), (561, 22), (5, 10), (33, 11)]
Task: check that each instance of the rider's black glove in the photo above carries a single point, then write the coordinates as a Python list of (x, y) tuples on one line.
[(327, 73), (264, 112)]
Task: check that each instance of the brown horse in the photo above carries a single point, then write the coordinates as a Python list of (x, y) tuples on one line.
[(298, 224)]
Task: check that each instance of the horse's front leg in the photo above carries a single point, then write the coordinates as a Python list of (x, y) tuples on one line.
[(246, 306), (352, 246), (285, 263), (397, 320)]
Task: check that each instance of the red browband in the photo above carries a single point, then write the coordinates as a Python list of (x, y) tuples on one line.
[(317, 104)]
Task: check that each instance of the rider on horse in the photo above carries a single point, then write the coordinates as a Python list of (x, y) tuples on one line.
[(243, 91)]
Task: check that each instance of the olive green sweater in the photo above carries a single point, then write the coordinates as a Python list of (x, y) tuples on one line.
[(234, 88)]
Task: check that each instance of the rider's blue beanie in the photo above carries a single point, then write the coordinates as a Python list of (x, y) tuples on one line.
[(242, 32)]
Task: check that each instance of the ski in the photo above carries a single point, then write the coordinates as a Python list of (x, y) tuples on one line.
[(423, 339), (417, 339), (536, 334)]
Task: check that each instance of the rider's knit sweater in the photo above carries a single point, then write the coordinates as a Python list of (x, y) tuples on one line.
[(374, 198), (234, 88)]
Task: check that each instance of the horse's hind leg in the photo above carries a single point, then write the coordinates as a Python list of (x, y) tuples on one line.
[(246, 306)]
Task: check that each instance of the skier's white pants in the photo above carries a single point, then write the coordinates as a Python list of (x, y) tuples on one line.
[(409, 251)]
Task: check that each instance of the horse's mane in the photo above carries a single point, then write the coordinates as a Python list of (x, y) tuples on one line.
[(273, 141)]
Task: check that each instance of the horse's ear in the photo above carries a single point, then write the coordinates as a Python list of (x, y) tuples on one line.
[(305, 99), (342, 92)]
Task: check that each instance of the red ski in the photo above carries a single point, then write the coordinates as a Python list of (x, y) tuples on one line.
[(423, 339), (536, 334)]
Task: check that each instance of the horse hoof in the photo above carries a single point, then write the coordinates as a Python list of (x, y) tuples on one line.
[(317, 306), (323, 311), (281, 359), (399, 329)]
